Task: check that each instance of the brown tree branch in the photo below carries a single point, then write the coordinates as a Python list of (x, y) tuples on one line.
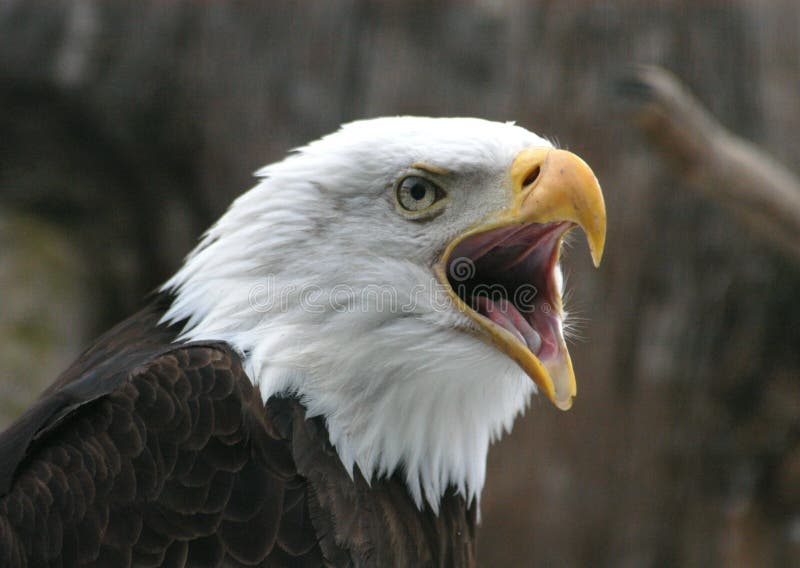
[(762, 193)]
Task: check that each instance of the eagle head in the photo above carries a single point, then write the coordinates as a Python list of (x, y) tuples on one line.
[(401, 277)]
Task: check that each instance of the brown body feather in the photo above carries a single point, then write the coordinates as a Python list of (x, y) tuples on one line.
[(148, 452)]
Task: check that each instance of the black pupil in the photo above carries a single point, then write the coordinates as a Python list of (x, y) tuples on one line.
[(418, 191)]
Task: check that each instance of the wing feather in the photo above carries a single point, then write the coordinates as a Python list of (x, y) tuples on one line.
[(151, 453), (169, 459)]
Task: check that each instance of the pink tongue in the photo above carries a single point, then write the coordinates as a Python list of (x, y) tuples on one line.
[(506, 315)]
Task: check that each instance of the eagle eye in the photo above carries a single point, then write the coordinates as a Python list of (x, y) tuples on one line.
[(415, 193)]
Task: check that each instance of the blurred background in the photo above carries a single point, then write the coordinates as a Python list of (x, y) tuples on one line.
[(127, 127)]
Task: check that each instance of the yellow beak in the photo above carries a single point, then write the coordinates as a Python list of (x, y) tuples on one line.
[(548, 186), (565, 189)]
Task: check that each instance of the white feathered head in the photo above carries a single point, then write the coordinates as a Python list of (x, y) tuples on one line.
[(401, 277)]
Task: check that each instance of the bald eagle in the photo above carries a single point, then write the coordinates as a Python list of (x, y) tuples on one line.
[(320, 382)]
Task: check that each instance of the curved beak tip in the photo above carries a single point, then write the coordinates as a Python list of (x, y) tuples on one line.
[(597, 239)]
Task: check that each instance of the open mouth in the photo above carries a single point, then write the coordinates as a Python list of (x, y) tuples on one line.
[(504, 274), (507, 276)]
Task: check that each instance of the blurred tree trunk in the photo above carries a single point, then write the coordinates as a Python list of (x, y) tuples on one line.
[(126, 128)]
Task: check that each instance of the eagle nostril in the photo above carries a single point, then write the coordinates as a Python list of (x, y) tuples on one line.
[(531, 177)]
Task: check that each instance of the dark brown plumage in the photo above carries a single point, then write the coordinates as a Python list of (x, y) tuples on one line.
[(149, 452)]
